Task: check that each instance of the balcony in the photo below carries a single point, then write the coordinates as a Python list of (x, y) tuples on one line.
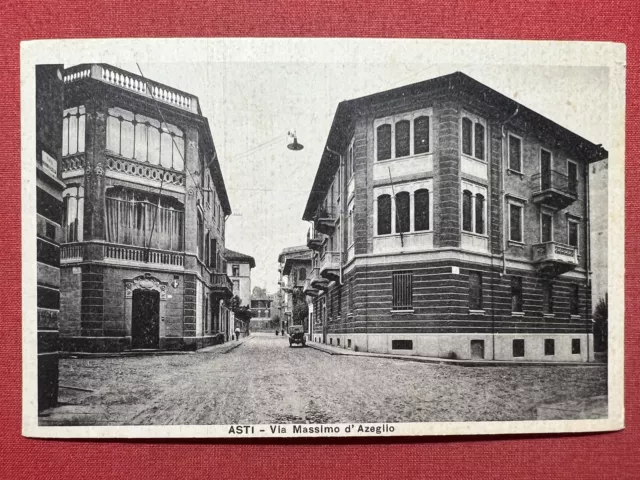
[(308, 289), (325, 219), (554, 258), (330, 266), (554, 189), (317, 282), (221, 285), (134, 83), (314, 242)]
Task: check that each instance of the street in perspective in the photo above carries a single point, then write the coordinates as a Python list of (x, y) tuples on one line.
[(432, 249)]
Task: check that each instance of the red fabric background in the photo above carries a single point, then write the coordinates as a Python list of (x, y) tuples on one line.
[(611, 455)]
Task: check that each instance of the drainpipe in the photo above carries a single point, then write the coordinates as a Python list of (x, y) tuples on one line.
[(342, 204), (503, 166), (587, 217)]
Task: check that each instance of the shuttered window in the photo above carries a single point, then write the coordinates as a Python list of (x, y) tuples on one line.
[(384, 141), (402, 286), (573, 233), (403, 142), (402, 212), (421, 207), (384, 214), (421, 135), (547, 227), (515, 223), (515, 154)]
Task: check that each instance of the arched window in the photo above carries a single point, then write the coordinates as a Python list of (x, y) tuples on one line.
[(467, 211), (421, 135), (73, 213), (384, 141), (403, 131), (302, 274), (479, 213), (421, 210), (402, 212), (384, 214)]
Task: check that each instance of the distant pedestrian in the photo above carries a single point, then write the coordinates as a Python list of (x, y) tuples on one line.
[(237, 333)]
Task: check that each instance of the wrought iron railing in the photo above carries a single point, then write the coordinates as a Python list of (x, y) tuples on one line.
[(553, 180)]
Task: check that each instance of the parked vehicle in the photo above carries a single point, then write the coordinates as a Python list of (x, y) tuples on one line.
[(296, 335)]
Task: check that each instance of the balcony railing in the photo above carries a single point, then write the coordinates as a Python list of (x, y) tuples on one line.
[(554, 258), (330, 265), (555, 189), (308, 289), (73, 163), (315, 240), (221, 283), (71, 252), (135, 83), (132, 253), (133, 168), (325, 219), (316, 281)]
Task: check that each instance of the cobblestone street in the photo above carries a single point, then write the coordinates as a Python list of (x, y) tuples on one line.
[(264, 381)]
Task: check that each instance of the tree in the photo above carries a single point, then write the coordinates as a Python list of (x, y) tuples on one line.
[(300, 308), (258, 292), (601, 324)]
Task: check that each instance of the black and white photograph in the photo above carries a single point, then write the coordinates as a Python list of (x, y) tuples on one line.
[(248, 238)]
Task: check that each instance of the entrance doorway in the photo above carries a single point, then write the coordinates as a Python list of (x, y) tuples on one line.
[(145, 316)]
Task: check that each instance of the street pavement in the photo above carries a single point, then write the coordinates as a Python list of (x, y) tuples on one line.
[(264, 381)]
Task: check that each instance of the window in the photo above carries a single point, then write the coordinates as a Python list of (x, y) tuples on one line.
[(402, 289), (145, 139), (403, 141), (467, 200), (515, 154), (547, 298), (384, 141), (350, 166), (302, 274), (572, 233), (134, 217), (235, 270), (467, 127), (402, 344), (384, 214), (549, 346), (73, 214), (473, 138), (338, 342), (545, 169), (546, 226), (213, 253), (73, 130), (421, 210), (575, 346), (350, 227), (479, 213), (515, 223), (402, 212), (572, 177), (475, 291), (50, 230), (518, 348), (421, 135), (200, 237), (516, 294), (473, 208), (236, 286), (574, 300)]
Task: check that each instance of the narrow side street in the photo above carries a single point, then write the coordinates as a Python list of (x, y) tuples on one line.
[(263, 380)]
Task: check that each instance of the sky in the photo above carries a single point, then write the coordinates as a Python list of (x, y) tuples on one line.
[(252, 105)]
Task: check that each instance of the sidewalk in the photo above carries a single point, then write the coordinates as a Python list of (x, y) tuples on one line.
[(224, 347), (332, 350)]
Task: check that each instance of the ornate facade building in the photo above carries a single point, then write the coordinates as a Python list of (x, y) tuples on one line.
[(452, 221), (142, 264)]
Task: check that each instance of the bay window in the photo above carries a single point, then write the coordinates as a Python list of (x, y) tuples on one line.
[(145, 139), (474, 208), (133, 215), (73, 198), (73, 130), (402, 135), (473, 137)]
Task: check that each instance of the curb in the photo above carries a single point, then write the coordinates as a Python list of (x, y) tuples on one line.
[(447, 361)]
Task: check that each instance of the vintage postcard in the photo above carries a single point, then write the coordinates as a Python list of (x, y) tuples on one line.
[(245, 238)]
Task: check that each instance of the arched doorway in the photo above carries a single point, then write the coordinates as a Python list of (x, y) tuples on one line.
[(145, 319), (145, 299)]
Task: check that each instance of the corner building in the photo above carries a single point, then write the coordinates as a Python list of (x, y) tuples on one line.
[(142, 260), (451, 221)]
